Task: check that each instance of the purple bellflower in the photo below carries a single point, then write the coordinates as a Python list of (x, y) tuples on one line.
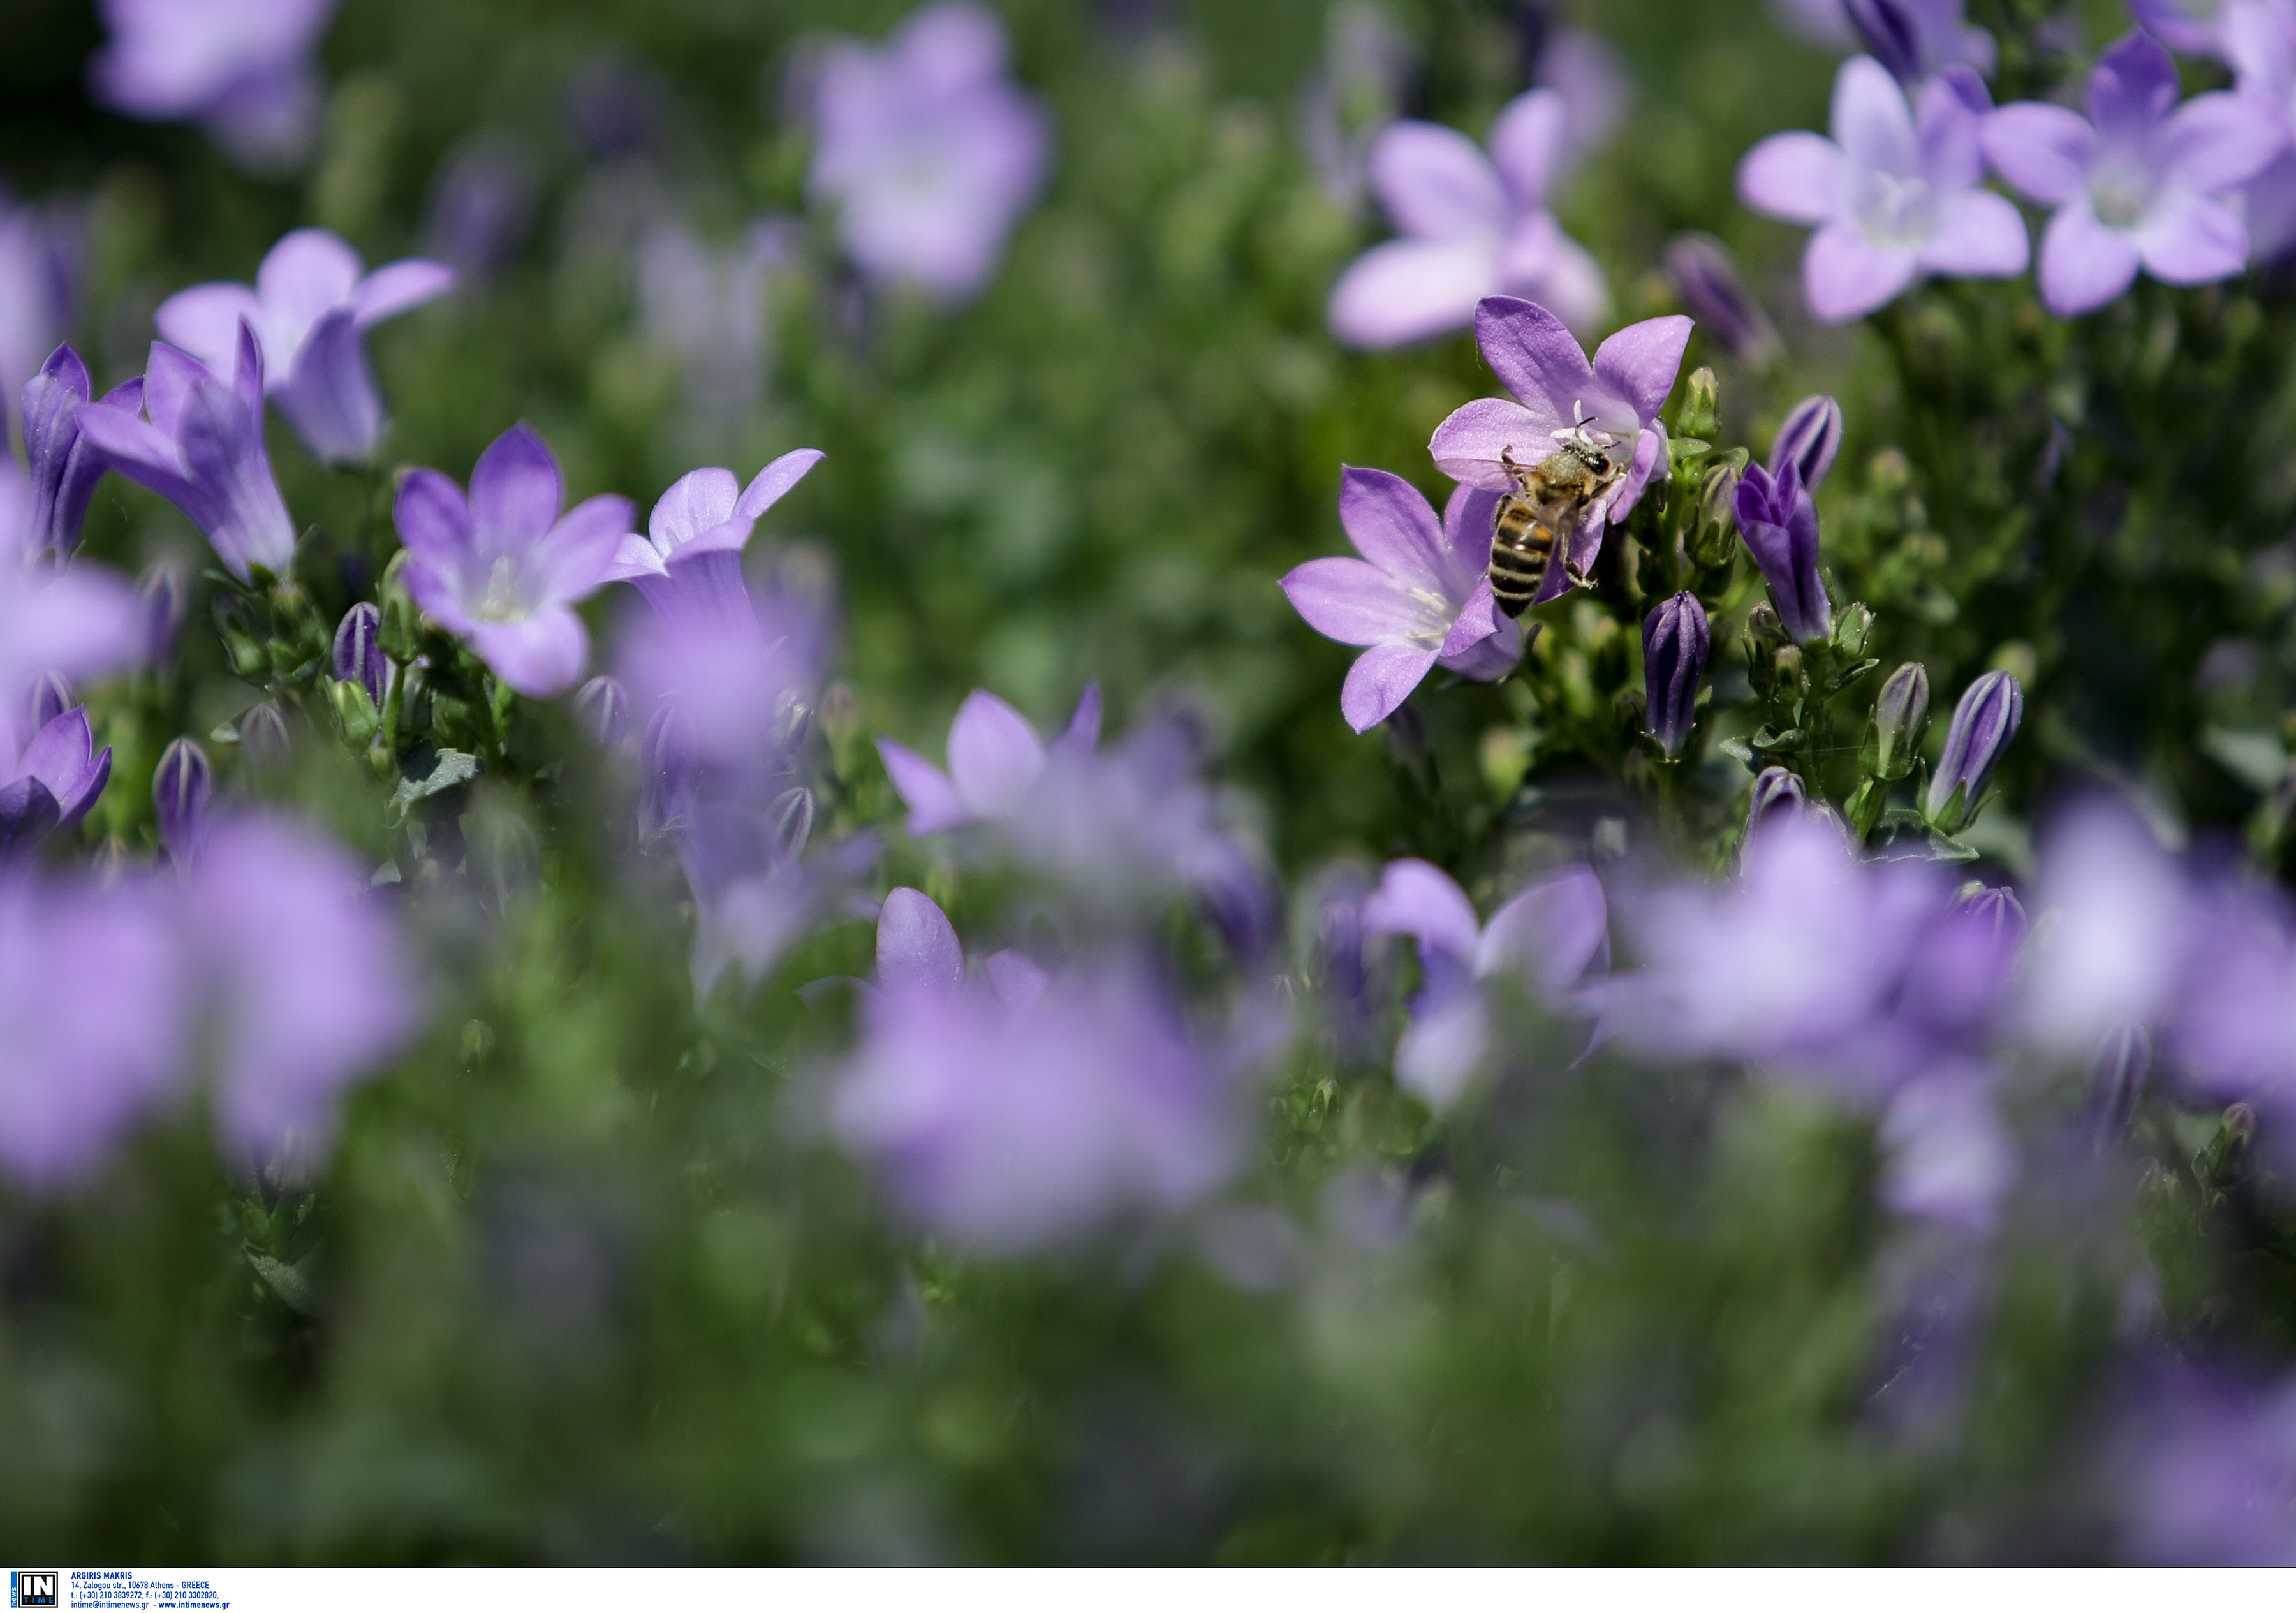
[(1553, 938), (1419, 595), (93, 1021), (929, 153), (242, 68), (2139, 182), (307, 981), (199, 444), (65, 466), (994, 758), (1810, 440), (183, 788), (1473, 226), (1985, 719), (1918, 39), (41, 249), (1028, 1110), (1778, 519), (503, 568), (1895, 194), (310, 307), (703, 524), (1615, 400), (1677, 639), (2259, 40), (54, 781)]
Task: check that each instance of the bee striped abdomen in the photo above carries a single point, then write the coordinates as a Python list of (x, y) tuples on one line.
[(1522, 547)]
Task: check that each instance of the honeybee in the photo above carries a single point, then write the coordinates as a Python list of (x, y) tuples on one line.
[(1550, 502)]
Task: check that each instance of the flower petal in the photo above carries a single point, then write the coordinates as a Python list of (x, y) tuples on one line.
[(516, 492), (771, 485), (1470, 516), (1435, 183), (1641, 362), (1542, 265), (1415, 898), (1355, 603), (1980, 234), (303, 277), (1536, 357), (1017, 981), (2044, 150), (395, 287), (433, 518), (1870, 120), (571, 559), (203, 319), (1443, 1048), (2133, 88), (1527, 143), (1478, 620), (917, 948), (541, 657), (924, 789), (2188, 240), (1490, 658), (994, 755), (2084, 264), (330, 395), (1554, 932), (695, 501), (1402, 291), (2218, 141), (1392, 525), (1468, 444), (1845, 276), (1797, 176), (1381, 679)]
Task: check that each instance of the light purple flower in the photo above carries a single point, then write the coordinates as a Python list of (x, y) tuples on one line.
[(93, 1021), (240, 68), (1473, 226), (704, 520), (1584, 69), (2140, 181), (1778, 520), (704, 305), (1917, 39), (307, 981), (1616, 398), (199, 444), (310, 307), (927, 151), (65, 467), (1895, 195), (994, 758), (2197, 27), (482, 207), (41, 248), (1419, 595), (1551, 939), (54, 781), (503, 568), (1028, 1110), (2258, 38)]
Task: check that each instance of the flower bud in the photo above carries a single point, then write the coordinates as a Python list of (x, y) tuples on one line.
[(182, 787), (401, 621), (354, 711), (263, 736), (52, 696), (1892, 36), (1776, 790), (1899, 715), (1788, 661), (166, 597), (1713, 293), (603, 707), (243, 646), (1677, 639), (789, 823), (1764, 631), (1851, 630), (358, 653), (1984, 722), (1810, 440), (1717, 528), (1779, 523), (1702, 404)]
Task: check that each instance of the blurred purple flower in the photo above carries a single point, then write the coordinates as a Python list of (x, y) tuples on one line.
[(1985, 719), (1473, 226), (704, 305), (41, 248), (1419, 596), (994, 758), (1676, 641), (2122, 921), (310, 307), (2139, 182), (503, 568), (306, 980), (93, 1021), (65, 466), (1029, 1109), (1552, 939), (2206, 1471), (1895, 195), (1707, 279), (1777, 790), (927, 151), (1618, 396), (703, 522), (242, 68), (2258, 38), (2196, 27), (53, 781), (1917, 39), (199, 444), (1585, 69), (1809, 438), (67, 621), (481, 207), (1366, 69), (183, 789), (1947, 1154), (1778, 520)]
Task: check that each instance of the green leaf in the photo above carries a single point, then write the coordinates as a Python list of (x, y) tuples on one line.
[(288, 1282), (451, 768)]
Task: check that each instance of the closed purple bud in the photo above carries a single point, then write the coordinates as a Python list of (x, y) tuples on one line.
[(1776, 790), (1676, 641), (358, 655), (1779, 523), (181, 789), (52, 696), (1999, 912), (1706, 279), (1891, 35), (263, 736), (1983, 723), (1810, 438), (166, 598), (603, 707), (1899, 715)]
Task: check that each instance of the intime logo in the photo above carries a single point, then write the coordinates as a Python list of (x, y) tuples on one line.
[(32, 1588)]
